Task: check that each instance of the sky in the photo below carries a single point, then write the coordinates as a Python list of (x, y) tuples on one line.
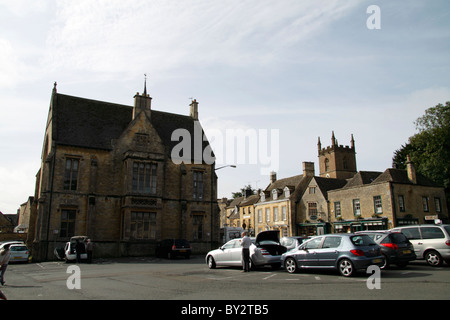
[(281, 73)]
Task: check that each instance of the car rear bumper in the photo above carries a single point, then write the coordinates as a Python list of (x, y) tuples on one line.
[(364, 262)]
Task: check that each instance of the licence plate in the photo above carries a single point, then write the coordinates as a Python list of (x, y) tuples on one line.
[(182, 251), (377, 260), (406, 251)]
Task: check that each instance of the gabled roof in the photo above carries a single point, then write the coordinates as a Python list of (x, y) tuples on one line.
[(362, 178), (250, 200), (401, 176), (285, 182), (95, 124), (327, 184)]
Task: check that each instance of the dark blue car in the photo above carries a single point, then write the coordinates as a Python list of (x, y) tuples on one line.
[(346, 253)]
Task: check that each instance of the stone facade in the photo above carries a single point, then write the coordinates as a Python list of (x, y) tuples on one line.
[(337, 161), (383, 200), (108, 172)]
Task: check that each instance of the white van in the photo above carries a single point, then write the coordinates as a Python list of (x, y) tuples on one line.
[(230, 233), (431, 242)]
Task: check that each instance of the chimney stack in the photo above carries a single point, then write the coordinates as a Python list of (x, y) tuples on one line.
[(411, 170), (308, 169), (273, 177), (194, 109)]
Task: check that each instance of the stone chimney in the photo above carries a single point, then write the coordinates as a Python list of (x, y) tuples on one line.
[(194, 109), (273, 177), (308, 169), (411, 170)]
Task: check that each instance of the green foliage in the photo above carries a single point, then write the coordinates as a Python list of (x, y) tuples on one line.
[(241, 193), (429, 149)]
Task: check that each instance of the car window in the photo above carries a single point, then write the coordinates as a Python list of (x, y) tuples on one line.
[(230, 244), (411, 233), (181, 242), (332, 242), (287, 241), (361, 240), (432, 233), (313, 243), (18, 248), (447, 228), (396, 238)]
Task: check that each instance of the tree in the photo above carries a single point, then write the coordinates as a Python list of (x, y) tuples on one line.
[(429, 149), (245, 190)]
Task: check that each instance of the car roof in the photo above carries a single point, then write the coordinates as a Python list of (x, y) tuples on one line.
[(422, 225)]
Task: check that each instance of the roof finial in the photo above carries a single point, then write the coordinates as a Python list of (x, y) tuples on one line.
[(145, 85)]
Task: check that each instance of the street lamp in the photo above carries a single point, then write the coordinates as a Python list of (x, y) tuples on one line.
[(212, 191)]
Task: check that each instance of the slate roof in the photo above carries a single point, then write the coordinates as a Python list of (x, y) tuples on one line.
[(401, 176), (94, 124), (327, 184), (389, 175), (362, 178)]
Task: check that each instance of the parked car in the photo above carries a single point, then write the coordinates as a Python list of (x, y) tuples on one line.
[(345, 252), (70, 253), (431, 242), (293, 242), (265, 250), (395, 247), (172, 248), (18, 250)]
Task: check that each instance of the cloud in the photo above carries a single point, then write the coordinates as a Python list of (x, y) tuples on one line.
[(124, 36), (9, 64)]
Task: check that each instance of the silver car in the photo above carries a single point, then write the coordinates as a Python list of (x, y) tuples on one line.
[(265, 250), (431, 242), (345, 252)]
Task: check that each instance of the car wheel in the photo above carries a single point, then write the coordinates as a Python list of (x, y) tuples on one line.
[(290, 265), (346, 268), (211, 263), (433, 258)]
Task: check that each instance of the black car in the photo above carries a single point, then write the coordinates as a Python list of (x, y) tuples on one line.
[(395, 247), (172, 248)]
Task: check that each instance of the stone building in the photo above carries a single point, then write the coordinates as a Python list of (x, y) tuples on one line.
[(125, 176), (276, 207), (313, 207), (383, 200), (247, 212), (337, 161)]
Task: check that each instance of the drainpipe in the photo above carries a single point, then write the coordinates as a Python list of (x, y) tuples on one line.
[(394, 212)]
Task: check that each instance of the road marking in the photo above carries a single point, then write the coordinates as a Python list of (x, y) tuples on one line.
[(317, 278), (268, 277)]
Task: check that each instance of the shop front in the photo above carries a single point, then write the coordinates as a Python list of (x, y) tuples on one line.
[(313, 229), (350, 226)]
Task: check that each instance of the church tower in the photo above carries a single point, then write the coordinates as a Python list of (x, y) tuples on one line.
[(337, 161)]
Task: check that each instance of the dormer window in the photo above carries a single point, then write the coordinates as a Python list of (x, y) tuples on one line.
[(274, 194), (287, 192), (263, 196)]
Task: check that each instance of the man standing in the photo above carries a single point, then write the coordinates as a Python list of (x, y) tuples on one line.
[(4, 260), (245, 244)]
